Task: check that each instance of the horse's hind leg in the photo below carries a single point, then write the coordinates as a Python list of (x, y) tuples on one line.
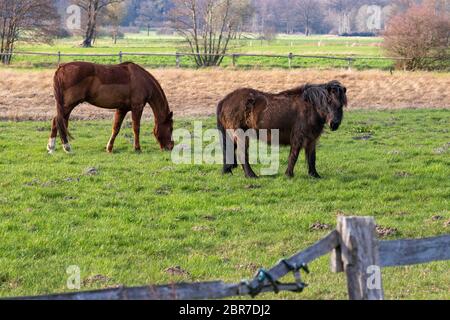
[(118, 120), (51, 146), (229, 152), (65, 140)]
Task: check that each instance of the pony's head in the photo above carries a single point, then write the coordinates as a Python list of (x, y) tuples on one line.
[(329, 99), (163, 133)]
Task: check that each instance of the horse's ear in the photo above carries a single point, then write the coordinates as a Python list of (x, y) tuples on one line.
[(171, 115)]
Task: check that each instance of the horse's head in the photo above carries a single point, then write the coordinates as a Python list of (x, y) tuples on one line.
[(163, 133), (329, 101), (336, 101)]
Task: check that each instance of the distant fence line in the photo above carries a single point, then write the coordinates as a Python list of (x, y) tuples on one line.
[(178, 56)]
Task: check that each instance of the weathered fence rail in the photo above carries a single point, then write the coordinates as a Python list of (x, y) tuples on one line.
[(178, 56), (355, 251)]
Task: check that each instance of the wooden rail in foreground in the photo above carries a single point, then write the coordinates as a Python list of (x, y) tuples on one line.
[(354, 249)]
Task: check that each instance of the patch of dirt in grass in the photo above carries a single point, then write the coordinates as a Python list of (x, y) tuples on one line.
[(201, 229), (443, 149), (92, 171), (29, 95), (447, 223), (403, 174), (318, 226), (96, 279), (385, 231), (364, 137), (252, 187), (177, 271), (250, 267), (163, 190)]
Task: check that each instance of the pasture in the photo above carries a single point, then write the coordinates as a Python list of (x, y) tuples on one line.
[(134, 219)]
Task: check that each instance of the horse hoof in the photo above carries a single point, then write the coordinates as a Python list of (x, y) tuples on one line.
[(51, 146), (67, 148)]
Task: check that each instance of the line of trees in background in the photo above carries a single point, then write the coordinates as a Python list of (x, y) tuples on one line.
[(418, 30)]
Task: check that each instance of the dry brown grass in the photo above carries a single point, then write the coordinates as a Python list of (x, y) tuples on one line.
[(29, 95)]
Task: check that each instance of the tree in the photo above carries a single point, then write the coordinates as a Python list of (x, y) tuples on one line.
[(26, 20), (208, 26), (151, 11), (421, 35), (93, 8), (309, 14), (114, 15)]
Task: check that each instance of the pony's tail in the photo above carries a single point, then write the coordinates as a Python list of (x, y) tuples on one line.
[(60, 112)]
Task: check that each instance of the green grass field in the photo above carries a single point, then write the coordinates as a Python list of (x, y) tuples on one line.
[(283, 45), (141, 214)]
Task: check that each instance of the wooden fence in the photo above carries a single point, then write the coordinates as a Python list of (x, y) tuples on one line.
[(354, 249), (179, 56)]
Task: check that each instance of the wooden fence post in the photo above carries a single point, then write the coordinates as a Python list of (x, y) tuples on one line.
[(178, 60), (120, 57), (350, 63), (290, 56), (59, 58), (234, 59), (359, 258)]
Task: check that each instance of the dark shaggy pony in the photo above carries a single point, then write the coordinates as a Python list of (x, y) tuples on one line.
[(299, 114)]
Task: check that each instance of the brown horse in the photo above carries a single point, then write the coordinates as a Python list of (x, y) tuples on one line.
[(299, 114), (125, 87)]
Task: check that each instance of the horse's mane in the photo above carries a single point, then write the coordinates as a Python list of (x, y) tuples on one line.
[(317, 94), (156, 83)]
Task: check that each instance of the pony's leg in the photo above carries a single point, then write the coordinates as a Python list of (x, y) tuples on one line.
[(293, 157), (51, 146), (118, 120), (227, 143), (249, 173), (136, 116), (310, 151)]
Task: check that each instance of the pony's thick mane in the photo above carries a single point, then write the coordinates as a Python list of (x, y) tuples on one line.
[(317, 94)]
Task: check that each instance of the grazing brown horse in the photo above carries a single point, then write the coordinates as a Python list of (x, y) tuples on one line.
[(125, 87), (299, 114)]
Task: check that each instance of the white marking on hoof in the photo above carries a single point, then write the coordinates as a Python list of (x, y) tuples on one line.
[(109, 147), (51, 146), (67, 148)]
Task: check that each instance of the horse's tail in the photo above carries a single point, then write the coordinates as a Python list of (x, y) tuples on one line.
[(59, 97)]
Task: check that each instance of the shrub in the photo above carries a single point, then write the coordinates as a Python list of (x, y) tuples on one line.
[(422, 36)]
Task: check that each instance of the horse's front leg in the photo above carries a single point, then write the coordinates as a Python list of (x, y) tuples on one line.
[(118, 120), (293, 158), (136, 115), (249, 173), (311, 158)]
